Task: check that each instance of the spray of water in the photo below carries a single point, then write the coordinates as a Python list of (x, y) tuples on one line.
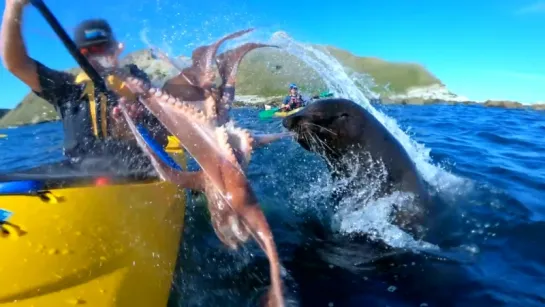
[(343, 85)]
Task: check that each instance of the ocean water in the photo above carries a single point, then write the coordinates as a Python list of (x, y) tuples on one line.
[(497, 183), (495, 156), (484, 165)]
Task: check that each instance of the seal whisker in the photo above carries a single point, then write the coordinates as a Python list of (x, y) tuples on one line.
[(321, 127), (321, 142)]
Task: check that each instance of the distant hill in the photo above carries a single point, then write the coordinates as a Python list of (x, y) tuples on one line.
[(264, 72)]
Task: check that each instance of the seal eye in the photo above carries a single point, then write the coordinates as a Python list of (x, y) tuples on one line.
[(343, 116)]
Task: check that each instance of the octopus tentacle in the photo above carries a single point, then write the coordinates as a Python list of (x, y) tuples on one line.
[(193, 109), (229, 229), (190, 180), (194, 132), (193, 82), (203, 59), (242, 143), (228, 63), (231, 184)]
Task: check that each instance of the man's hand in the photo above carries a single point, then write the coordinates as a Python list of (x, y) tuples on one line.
[(135, 109), (120, 126)]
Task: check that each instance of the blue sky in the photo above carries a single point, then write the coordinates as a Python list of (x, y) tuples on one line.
[(480, 49)]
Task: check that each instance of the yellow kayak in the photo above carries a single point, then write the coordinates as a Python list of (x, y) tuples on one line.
[(284, 114), (94, 245)]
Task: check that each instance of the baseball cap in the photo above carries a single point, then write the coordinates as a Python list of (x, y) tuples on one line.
[(293, 85), (92, 32)]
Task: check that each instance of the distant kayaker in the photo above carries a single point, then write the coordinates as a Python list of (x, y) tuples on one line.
[(93, 123), (294, 100)]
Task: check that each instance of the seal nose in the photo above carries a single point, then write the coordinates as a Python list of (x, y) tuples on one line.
[(291, 121)]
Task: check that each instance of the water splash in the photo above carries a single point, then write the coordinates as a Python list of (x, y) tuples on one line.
[(358, 89)]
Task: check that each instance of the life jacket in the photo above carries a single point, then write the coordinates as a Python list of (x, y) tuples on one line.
[(296, 101), (114, 84)]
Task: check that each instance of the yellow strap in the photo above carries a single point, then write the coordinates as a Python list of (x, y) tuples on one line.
[(89, 92), (119, 87), (115, 84)]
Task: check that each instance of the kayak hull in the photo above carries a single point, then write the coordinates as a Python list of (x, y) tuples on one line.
[(284, 114), (275, 113), (112, 245)]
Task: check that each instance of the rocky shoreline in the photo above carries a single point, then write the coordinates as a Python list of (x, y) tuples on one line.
[(275, 101), (265, 74), (253, 101)]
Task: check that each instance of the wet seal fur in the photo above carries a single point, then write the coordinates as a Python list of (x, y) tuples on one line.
[(344, 134)]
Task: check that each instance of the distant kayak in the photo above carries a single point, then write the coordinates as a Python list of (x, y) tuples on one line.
[(276, 112)]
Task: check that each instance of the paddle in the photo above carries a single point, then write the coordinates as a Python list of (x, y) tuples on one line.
[(268, 113), (93, 74)]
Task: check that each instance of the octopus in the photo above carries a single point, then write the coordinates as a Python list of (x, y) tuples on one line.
[(195, 109)]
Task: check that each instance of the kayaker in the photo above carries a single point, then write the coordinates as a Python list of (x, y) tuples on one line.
[(93, 123), (294, 100)]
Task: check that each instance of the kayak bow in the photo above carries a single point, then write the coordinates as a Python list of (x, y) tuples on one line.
[(98, 245), (276, 113)]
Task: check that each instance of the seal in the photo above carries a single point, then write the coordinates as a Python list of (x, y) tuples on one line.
[(355, 144)]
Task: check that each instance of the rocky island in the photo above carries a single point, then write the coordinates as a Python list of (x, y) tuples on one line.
[(265, 73)]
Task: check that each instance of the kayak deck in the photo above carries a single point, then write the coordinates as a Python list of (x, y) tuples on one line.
[(284, 114), (112, 245)]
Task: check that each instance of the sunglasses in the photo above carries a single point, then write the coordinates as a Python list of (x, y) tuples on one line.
[(97, 49)]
